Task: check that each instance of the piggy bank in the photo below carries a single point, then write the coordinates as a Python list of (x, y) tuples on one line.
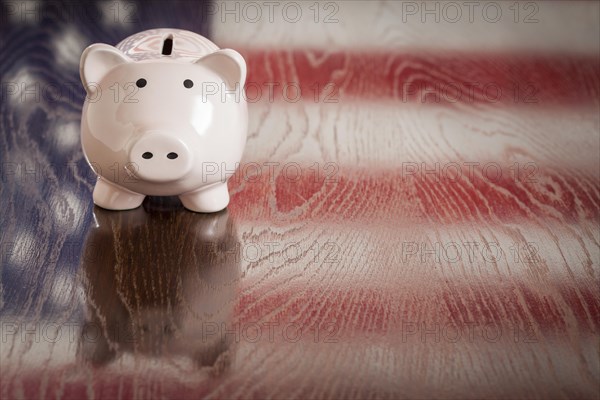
[(165, 115)]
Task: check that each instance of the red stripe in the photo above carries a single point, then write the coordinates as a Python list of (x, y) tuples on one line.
[(354, 194), (424, 78), (360, 311)]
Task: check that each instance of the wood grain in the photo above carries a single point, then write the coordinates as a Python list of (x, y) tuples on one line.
[(545, 27), (353, 260), (438, 79)]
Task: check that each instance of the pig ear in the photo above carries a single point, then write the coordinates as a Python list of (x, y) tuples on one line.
[(228, 64), (96, 61)]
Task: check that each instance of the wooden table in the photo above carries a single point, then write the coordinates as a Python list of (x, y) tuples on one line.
[(416, 214)]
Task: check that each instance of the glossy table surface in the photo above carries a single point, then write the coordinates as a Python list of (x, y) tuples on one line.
[(416, 214)]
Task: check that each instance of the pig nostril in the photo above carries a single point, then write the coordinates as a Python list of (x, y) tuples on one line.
[(172, 156), (147, 155)]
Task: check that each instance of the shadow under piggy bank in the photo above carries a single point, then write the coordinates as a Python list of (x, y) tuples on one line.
[(160, 282)]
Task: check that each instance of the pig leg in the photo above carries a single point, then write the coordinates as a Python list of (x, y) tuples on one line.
[(112, 197), (208, 199)]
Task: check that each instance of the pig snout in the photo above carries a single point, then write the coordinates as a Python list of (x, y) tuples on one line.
[(159, 157)]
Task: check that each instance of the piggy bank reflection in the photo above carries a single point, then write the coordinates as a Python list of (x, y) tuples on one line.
[(161, 283)]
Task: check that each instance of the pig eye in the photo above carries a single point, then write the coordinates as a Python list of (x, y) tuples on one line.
[(140, 83), (188, 83)]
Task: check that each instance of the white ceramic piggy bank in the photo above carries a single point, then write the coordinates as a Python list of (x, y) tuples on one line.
[(165, 115)]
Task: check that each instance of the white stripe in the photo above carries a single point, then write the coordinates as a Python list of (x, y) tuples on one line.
[(391, 134), (554, 26), (418, 257)]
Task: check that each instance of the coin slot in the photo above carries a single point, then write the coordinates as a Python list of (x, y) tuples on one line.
[(167, 48)]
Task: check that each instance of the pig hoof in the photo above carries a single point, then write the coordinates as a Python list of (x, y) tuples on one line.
[(207, 200), (112, 197)]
